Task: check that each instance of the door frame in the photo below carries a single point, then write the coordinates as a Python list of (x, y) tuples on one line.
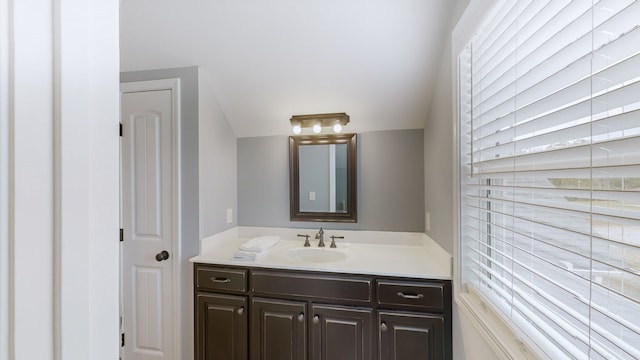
[(173, 85)]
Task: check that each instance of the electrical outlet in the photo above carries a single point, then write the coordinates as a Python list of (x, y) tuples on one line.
[(229, 216)]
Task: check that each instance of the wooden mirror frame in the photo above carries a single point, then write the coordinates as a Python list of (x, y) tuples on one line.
[(295, 214)]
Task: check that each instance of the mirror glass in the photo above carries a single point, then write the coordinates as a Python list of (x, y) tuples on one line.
[(323, 178)]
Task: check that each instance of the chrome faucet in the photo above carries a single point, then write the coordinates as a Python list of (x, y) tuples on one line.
[(320, 236)]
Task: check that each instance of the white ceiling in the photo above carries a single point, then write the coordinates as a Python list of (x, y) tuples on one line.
[(376, 60)]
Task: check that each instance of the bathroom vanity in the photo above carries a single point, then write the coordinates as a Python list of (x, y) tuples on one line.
[(277, 309)]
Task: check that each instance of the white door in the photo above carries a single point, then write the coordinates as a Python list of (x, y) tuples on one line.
[(148, 206)]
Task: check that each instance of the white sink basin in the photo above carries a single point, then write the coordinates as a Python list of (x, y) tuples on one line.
[(315, 255)]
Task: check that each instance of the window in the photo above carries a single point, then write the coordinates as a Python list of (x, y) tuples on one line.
[(549, 110)]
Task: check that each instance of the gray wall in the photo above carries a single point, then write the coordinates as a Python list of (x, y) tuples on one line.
[(189, 214), (390, 182), (439, 161), (218, 163)]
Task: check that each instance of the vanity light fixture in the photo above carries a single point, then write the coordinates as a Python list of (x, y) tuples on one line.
[(317, 122)]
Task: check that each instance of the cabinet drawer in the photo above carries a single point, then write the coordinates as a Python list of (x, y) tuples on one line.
[(221, 279), (411, 295), (337, 289)]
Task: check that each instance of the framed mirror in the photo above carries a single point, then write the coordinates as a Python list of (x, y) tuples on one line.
[(322, 178)]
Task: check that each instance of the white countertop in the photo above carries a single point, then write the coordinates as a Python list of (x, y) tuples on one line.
[(412, 255)]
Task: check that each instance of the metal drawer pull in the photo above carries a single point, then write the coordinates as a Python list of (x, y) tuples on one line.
[(301, 317), (383, 326), (220, 280), (316, 319), (410, 296), (240, 311)]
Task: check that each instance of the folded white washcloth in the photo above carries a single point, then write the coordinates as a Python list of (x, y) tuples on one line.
[(247, 255), (260, 244)]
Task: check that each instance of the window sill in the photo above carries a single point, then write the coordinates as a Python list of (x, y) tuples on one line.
[(504, 341)]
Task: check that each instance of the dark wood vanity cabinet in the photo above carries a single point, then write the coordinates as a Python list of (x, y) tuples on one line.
[(320, 316), (413, 319), (264, 314), (221, 327), (278, 330), (221, 313), (409, 336), (341, 333)]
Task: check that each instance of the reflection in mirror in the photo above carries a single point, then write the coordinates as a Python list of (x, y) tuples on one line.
[(323, 178)]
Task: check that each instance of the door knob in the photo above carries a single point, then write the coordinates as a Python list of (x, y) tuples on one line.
[(162, 255)]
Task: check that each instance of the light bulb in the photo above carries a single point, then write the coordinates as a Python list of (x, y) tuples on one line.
[(296, 129), (317, 129), (337, 128)]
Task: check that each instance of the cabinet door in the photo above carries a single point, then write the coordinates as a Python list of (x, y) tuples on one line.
[(410, 336), (278, 330), (339, 333), (221, 328)]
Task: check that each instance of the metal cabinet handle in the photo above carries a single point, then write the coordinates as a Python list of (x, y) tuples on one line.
[(383, 326), (220, 280), (410, 296), (316, 319), (301, 317), (240, 311)]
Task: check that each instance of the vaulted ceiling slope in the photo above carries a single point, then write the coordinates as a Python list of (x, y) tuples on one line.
[(266, 60)]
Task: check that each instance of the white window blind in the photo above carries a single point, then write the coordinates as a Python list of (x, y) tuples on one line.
[(549, 97)]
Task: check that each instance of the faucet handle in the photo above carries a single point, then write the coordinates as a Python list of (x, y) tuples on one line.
[(333, 240), (306, 239)]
